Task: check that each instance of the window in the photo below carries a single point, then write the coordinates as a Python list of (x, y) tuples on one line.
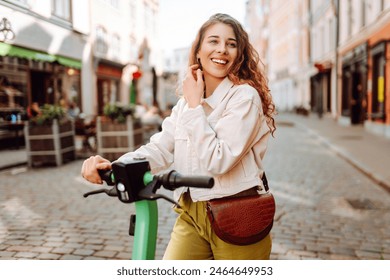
[(378, 79), (101, 46), (61, 9), (115, 45)]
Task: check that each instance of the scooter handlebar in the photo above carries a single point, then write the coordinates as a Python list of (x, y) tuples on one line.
[(107, 176), (173, 180)]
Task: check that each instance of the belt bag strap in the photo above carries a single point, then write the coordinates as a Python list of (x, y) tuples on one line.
[(265, 182)]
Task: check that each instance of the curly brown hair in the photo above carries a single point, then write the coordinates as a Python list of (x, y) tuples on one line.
[(246, 68)]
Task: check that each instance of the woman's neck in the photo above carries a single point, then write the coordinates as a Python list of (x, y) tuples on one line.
[(211, 83)]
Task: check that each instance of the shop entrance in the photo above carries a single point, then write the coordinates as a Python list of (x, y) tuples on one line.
[(42, 87), (357, 111)]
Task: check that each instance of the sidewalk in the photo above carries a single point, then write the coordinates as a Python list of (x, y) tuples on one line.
[(366, 151), (12, 158)]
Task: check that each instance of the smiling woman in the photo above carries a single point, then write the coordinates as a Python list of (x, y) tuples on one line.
[(224, 88)]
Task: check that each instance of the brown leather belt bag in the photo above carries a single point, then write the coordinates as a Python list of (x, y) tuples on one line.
[(243, 219)]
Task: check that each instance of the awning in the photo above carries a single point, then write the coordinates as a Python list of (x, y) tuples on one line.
[(70, 62), (10, 50)]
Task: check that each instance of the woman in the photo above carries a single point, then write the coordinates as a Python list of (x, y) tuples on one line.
[(219, 128)]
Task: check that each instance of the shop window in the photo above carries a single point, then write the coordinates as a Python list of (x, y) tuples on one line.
[(114, 94), (107, 92), (378, 87)]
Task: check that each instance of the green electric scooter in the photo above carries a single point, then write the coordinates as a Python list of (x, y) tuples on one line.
[(133, 182)]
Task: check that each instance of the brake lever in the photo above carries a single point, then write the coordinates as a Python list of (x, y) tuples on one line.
[(149, 193), (109, 192)]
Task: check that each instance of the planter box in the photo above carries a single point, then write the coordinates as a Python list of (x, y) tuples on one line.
[(115, 139), (50, 144)]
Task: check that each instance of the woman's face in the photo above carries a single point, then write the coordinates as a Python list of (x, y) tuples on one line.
[(218, 50)]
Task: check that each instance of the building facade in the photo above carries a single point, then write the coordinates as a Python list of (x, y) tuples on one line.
[(279, 31), (323, 46), (364, 86), (41, 55), (123, 41), (343, 71), (78, 51)]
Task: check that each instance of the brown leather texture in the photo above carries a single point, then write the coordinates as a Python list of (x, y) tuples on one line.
[(242, 220)]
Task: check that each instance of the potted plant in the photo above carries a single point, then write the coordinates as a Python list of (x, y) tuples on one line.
[(49, 137), (118, 131)]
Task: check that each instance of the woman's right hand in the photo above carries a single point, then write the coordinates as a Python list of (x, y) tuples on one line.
[(90, 167), (193, 86)]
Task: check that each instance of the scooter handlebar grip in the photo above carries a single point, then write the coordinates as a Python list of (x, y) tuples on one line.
[(174, 180), (107, 176)]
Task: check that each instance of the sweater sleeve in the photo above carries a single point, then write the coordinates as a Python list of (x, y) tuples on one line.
[(159, 151)]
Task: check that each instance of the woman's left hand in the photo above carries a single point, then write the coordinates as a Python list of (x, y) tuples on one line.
[(193, 86)]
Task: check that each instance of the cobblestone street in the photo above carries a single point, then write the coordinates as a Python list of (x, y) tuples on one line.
[(326, 209)]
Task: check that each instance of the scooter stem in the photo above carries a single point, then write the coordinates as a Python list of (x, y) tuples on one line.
[(144, 246)]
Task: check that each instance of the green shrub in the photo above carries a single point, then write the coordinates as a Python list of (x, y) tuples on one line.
[(48, 113), (118, 112)]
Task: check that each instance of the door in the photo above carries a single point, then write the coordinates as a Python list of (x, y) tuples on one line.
[(42, 88), (358, 96)]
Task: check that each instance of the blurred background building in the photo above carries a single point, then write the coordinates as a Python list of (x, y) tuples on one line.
[(327, 56), (78, 51)]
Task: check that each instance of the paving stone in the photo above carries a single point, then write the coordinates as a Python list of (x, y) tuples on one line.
[(94, 258), (49, 256), (19, 248), (342, 257), (73, 245), (95, 247), (83, 252), (366, 255), (105, 254), (53, 244), (123, 256), (14, 242), (25, 255), (62, 251), (113, 248), (317, 248), (342, 251), (71, 257), (41, 249), (94, 241), (6, 254), (302, 254)]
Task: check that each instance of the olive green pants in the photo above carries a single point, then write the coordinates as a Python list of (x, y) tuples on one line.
[(193, 239)]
